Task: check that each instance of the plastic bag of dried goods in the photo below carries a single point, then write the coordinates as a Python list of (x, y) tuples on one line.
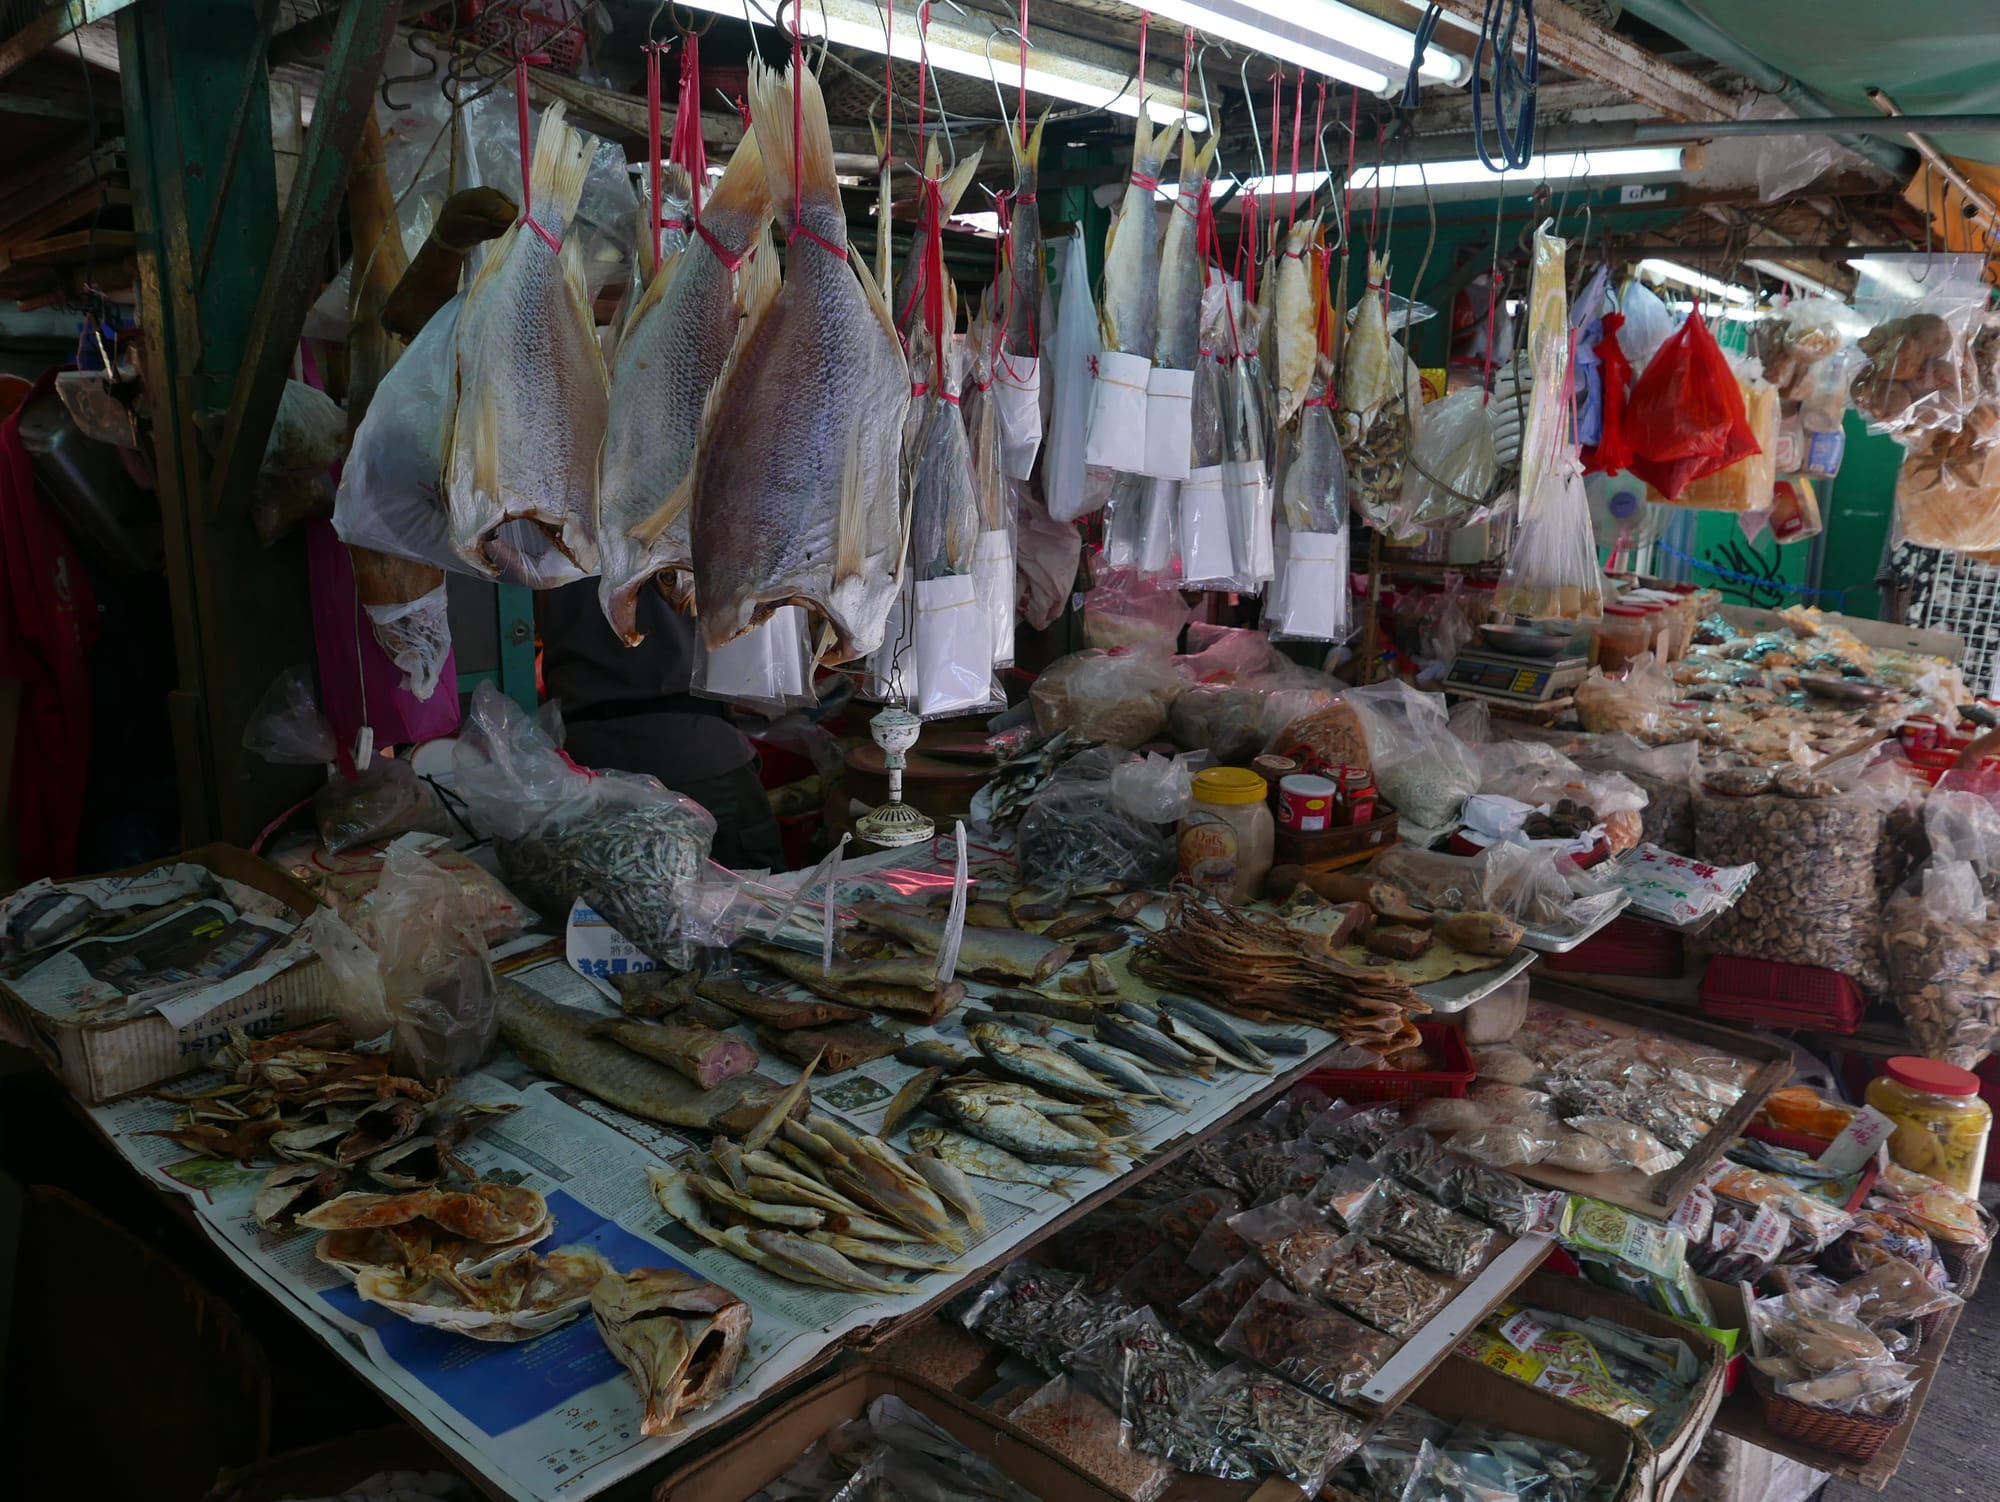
[(1421, 767), (1686, 416), (386, 798), (1077, 830), (286, 727), (1119, 697)]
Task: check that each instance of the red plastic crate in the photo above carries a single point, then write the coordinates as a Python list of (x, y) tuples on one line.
[(1775, 995), (1625, 946), (1444, 1043)]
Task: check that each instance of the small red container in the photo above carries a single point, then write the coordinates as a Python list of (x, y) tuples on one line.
[(1447, 1082), (1775, 995), (1625, 946), (1306, 803), (1358, 798)]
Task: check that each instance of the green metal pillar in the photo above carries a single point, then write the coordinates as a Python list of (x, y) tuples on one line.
[(240, 610)]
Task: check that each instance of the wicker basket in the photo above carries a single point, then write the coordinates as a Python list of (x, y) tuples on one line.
[(1854, 1436), (1964, 1263)]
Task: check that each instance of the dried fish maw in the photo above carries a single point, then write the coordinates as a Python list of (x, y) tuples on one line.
[(798, 471), (518, 1300), (679, 1336), (531, 397), (673, 349)]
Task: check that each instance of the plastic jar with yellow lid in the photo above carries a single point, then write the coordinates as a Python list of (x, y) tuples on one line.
[(1227, 838), (1941, 1123)]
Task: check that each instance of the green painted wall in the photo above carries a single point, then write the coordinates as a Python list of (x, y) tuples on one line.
[(1857, 520)]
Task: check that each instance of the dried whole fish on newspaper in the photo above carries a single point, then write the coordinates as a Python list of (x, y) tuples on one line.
[(701, 1054), (1393, 1296), (844, 1046), (904, 985), (1020, 1128), (679, 1336), (777, 1011), (1257, 967), (985, 1160), (522, 1297), (1010, 953), (1324, 1351), (1041, 1314)]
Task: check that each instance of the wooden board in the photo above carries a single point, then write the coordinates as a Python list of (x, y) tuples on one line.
[(60, 249), (1658, 1195)]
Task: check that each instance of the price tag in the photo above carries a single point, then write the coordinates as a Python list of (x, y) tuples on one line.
[(1855, 1146), (1521, 1330)]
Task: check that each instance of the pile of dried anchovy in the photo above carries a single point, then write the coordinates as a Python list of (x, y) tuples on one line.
[(1042, 1314), (1281, 1428), (1259, 967), (1370, 1284), (631, 862), (1402, 1221), (1321, 1349)]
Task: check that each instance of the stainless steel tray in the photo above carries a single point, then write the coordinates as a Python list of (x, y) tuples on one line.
[(1548, 943), (1457, 992)]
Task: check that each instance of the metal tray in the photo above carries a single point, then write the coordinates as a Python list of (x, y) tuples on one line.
[(1544, 942), (1457, 992)]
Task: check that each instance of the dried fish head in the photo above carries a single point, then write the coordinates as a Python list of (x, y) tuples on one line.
[(520, 1298), (679, 1336), (295, 1189), (383, 1124)]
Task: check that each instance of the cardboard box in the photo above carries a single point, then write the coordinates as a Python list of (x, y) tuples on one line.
[(767, 1449), (1581, 1298), (102, 1060)]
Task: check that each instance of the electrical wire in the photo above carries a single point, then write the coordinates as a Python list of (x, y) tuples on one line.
[(1512, 86)]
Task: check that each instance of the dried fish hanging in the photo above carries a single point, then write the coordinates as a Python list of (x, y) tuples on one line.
[(1310, 599), (1376, 424), (1017, 372), (1246, 476), (1552, 572)]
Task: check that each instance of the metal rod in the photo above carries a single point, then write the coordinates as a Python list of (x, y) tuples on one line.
[(1913, 125)]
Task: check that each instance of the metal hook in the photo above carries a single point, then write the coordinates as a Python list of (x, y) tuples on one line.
[(993, 76), (1201, 76), (424, 52), (1243, 77)]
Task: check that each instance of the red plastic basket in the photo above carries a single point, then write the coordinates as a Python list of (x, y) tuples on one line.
[(1449, 1082), (1763, 991), (1625, 946)]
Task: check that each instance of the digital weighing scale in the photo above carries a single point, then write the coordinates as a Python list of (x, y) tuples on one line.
[(1511, 679)]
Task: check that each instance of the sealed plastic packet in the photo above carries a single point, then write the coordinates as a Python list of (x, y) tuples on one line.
[(1392, 1295), (768, 667), (1152, 1373), (1290, 1235), (1280, 1429), (1324, 1351), (1402, 1221), (1209, 1311)]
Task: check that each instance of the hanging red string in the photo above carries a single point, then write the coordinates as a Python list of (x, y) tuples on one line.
[(688, 148), (1187, 70), (1319, 162), (1298, 130), (1277, 150), (1347, 183), (527, 170), (799, 148), (1145, 21), (1021, 99), (1246, 247)]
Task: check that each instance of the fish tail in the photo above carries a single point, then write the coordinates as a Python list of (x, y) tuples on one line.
[(1027, 163), (557, 170), (771, 105), (954, 186), (745, 186), (1205, 158)]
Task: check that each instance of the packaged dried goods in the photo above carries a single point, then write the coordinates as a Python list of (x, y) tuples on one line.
[(1814, 1349), (1289, 1235), (1118, 697), (1916, 379), (1815, 1223), (1078, 1425), (1076, 830), (1392, 1295), (1322, 1350), (1503, 1146), (1402, 1221), (1282, 1430), (1154, 1374), (1041, 1313), (1542, 1353), (1422, 768), (1207, 1312), (1949, 1215), (1631, 1145), (1893, 1292), (1943, 931)]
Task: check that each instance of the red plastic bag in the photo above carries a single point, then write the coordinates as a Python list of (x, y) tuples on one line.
[(1613, 449), (1685, 416)]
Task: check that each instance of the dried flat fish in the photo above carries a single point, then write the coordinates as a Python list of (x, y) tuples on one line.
[(781, 1012), (701, 1054), (408, 1244), (921, 1001), (1011, 953), (845, 1045), (679, 1336), (519, 1299)]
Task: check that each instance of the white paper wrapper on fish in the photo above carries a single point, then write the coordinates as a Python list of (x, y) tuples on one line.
[(1207, 557), (768, 667), (1169, 423), (417, 637), (1246, 491), (954, 649), (1072, 354), (1315, 589), (993, 581), (391, 495), (1117, 435), (1140, 525), (889, 675), (1017, 387)]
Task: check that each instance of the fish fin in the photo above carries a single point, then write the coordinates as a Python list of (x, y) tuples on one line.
[(745, 185), (961, 177), (1205, 158), (771, 107), (654, 527), (655, 289), (1025, 162), (757, 280), (558, 168)]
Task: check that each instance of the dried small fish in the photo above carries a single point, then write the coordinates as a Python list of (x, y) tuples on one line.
[(1195, 1040), (916, 1090), (1216, 1026), (985, 1160), (1042, 1314), (1390, 1294), (951, 1186), (796, 1217), (1019, 1129), (931, 1053), (1123, 1070), (856, 1250), (802, 1261), (1150, 1044), (798, 1095), (679, 1336)]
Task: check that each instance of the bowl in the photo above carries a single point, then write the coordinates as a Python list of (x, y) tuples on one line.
[(1527, 641)]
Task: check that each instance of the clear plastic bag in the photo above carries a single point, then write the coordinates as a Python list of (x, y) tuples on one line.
[(1402, 1221), (417, 636), (1453, 466), (1278, 1428), (1077, 1425), (415, 963), (1631, 706), (768, 668), (1941, 932), (387, 798), (1329, 1354), (1119, 697), (347, 882), (1128, 609), (1375, 416), (1153, 788), (1948, 486), (1918, 379), (1649, 323), (286, 727), (1077, 830), (1071, 351), (1421, 767)]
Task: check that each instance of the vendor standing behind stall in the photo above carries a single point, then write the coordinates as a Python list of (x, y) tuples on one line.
[(629, 709)]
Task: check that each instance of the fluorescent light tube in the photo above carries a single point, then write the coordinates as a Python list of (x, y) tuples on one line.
[(960, 50), (1631, 161), (1318, 35), (1687, 276), (1797, 278)]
